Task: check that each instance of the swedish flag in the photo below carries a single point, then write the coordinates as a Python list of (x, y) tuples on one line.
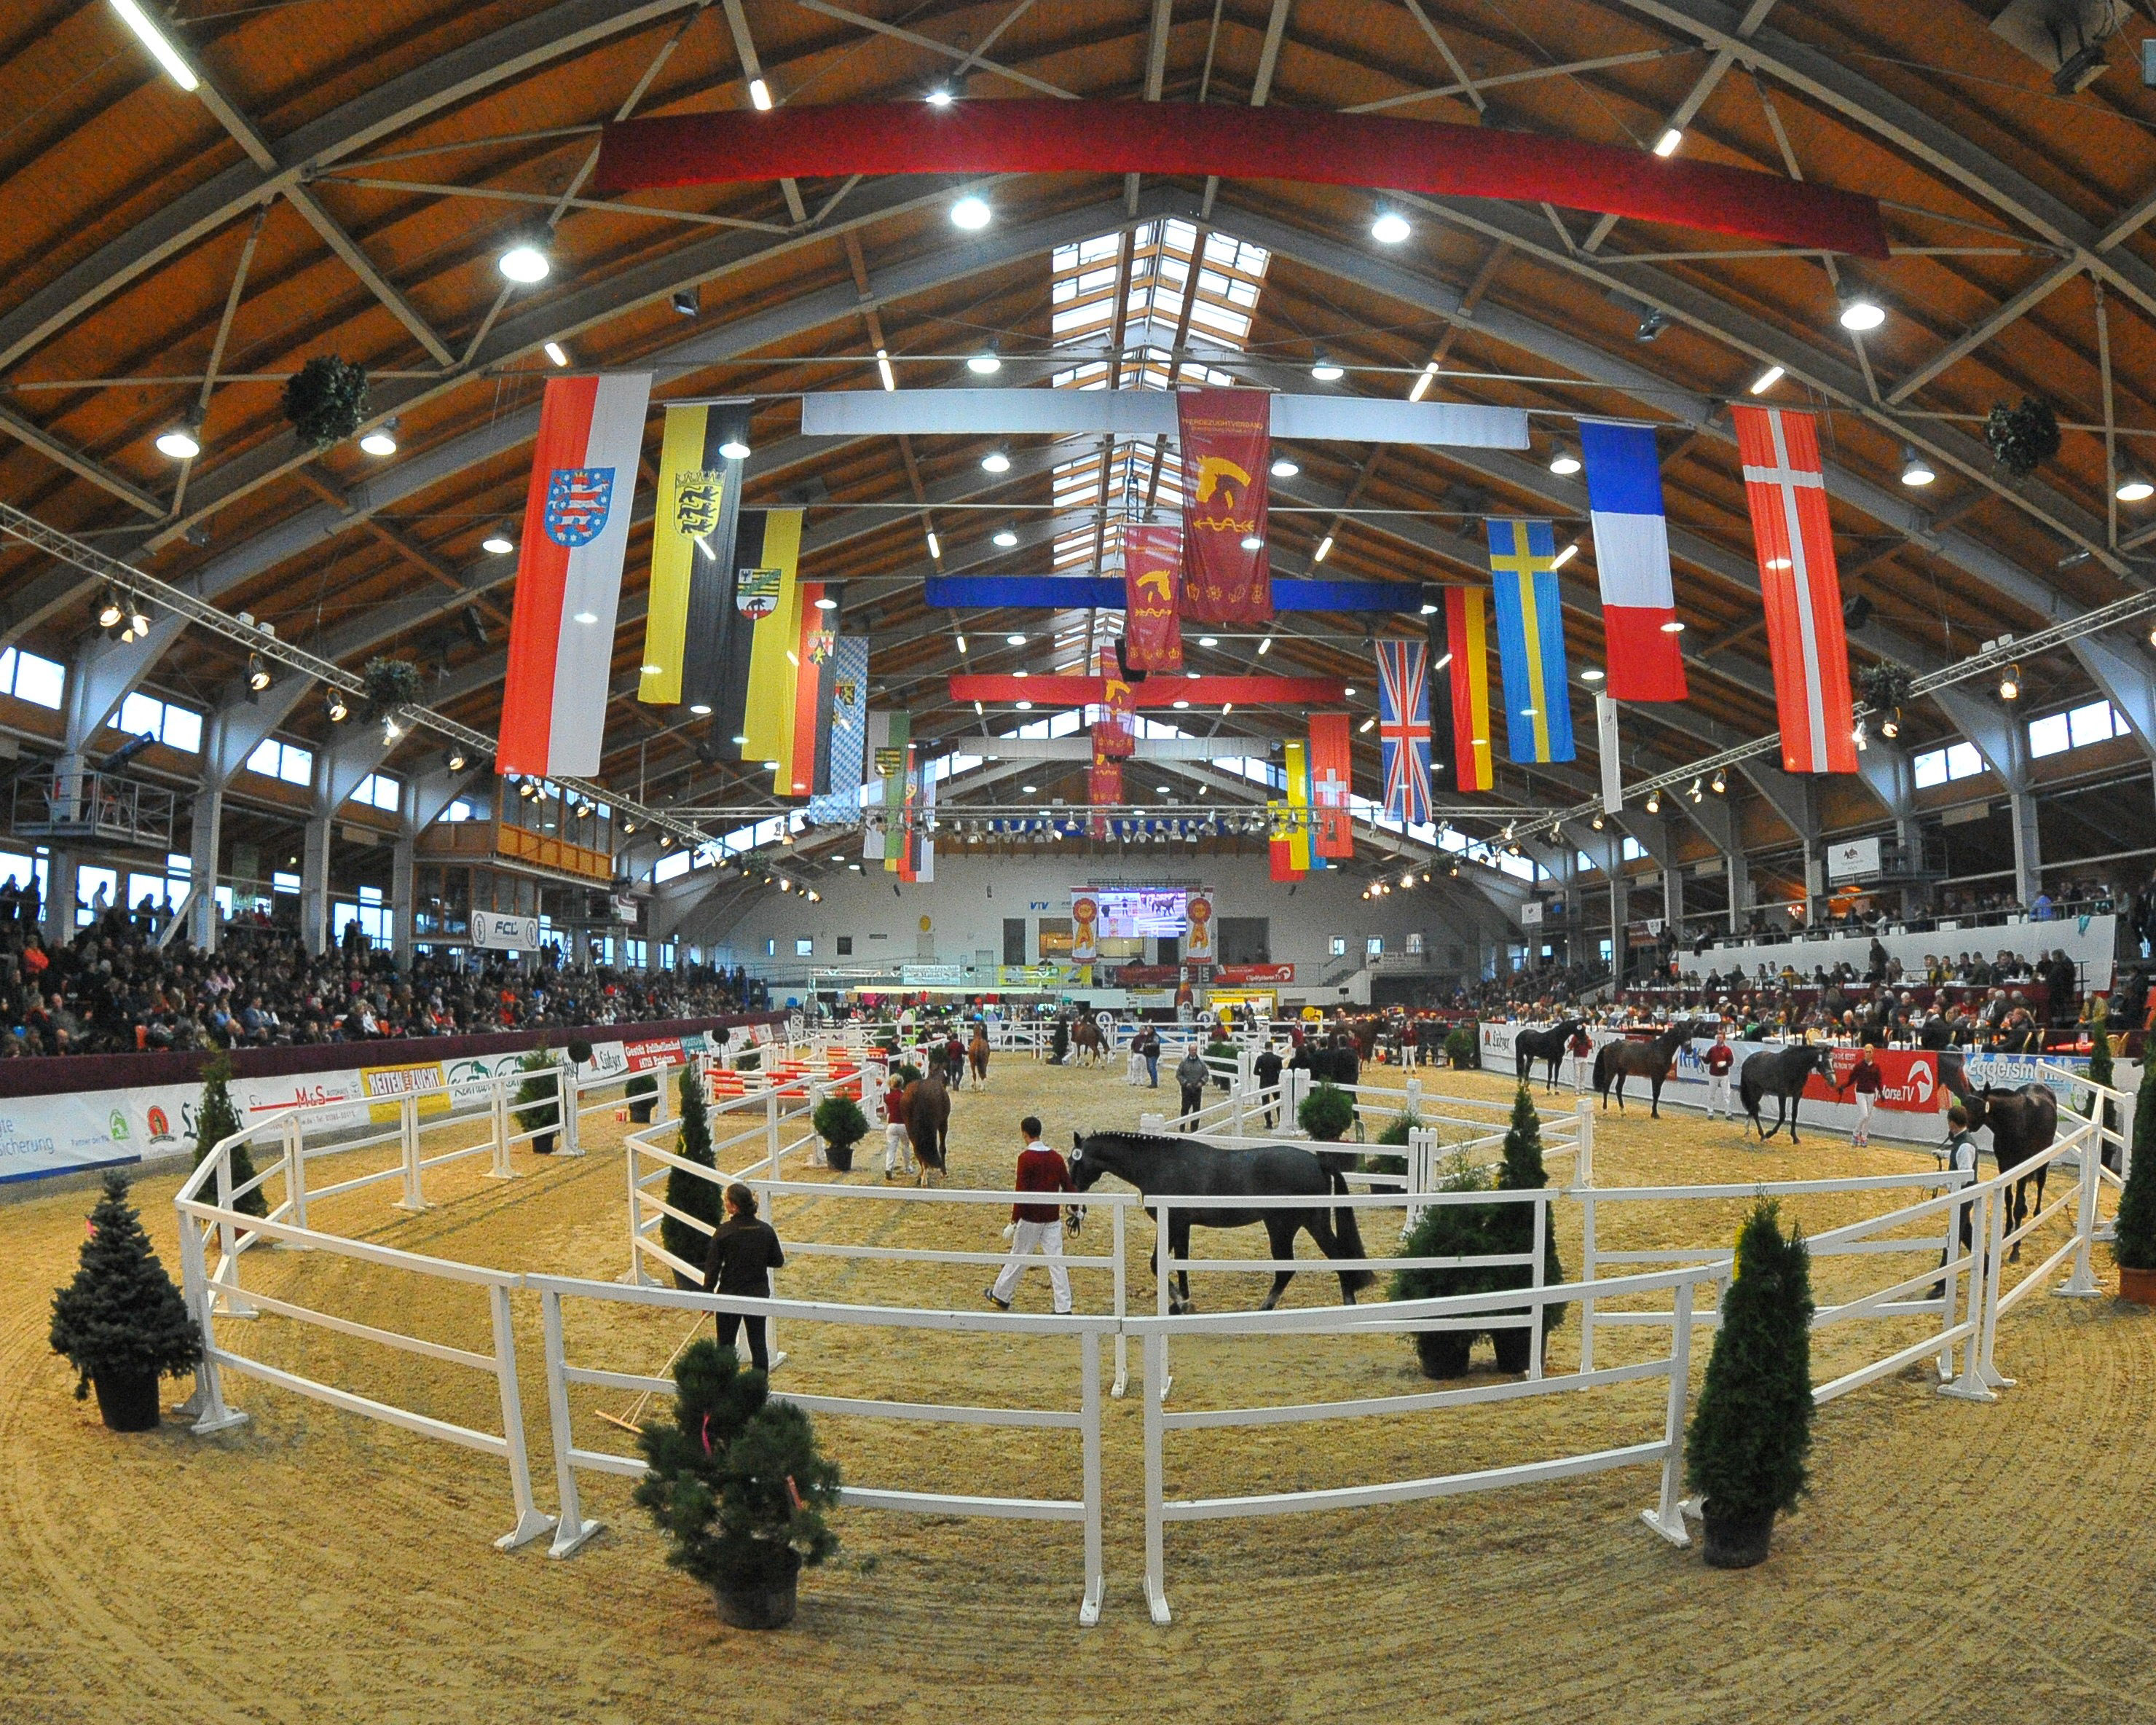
[(1531, 641)]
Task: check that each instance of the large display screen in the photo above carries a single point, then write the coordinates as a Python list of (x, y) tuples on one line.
[(1144, 912)]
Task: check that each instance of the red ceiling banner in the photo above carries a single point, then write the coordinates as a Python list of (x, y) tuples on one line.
[(1154, 692), (1115, 719), (1302, 144), (1227, 437), (1153, 578), (1332, 777)]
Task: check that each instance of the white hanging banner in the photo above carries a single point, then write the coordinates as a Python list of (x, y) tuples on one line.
[(1605, 733), (1147, 413), (498, 931)]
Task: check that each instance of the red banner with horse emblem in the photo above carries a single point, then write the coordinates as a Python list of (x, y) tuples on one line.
[(1152, 578), (1104, 790), (1227, 447), (1115, 715)]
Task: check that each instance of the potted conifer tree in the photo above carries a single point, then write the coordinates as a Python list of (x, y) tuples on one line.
[(1513, 1227), (641, 1093), (2134, 1246), (121, 1323), (839, 1122), (1448, 1230), (738, 1487), (216, 1119), (1327, 1113), (1460, 1047), (684, 1192), (537, 1101), (1745, 1453)]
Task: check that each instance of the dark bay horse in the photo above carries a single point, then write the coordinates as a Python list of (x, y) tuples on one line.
[(1531, 1045), (1088, 1047), (1171, 1168), (2023, 1122), (1780, 1073), (926, 1106), (1616, 1061)]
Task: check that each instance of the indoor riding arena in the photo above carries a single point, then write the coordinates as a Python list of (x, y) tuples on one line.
[(1166, 859)]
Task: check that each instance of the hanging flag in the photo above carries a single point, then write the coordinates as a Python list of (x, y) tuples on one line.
[(1299, 857), (805, 768), (1632, 555), (916, 860), (840, 803), (693, 534), (1332, 780), (888, 736), (767, 591), (1459, 693), (1403, 728), (1606, 745), (1115, 715), (1530, 640), (568, 576), (1227, 449), (1152, 578), (1281, 848), (1104, 790), (1786, 488)]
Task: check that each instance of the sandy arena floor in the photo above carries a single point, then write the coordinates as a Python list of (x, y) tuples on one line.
[(1955, 1562)]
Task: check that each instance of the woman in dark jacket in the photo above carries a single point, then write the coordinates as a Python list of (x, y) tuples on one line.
[(744, 1252)]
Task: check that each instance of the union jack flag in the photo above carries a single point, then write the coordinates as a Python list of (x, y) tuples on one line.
[(1403, 728)]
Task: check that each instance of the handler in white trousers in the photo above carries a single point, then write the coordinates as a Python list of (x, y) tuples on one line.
[(1036, 1227), (1719, 1059)]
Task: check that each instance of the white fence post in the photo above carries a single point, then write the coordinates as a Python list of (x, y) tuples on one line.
[(499, 1110), (1089, 1348), (1583, 1183), (2081, 1284), (407, 1135), (1123, 1341), (567, 1092), (571, 1529), (1535, 1332), (1666, 1519), (1970, 1386), (207, 1405), (530, 1524), (295, 1168), (1236, 1100), (1155, 1387)]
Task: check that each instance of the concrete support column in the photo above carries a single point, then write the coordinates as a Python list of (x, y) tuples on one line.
[(1740, 890), (204, 925), (60, 866), (315, 886), (1673, 898), (2028, 848), (404, 859)]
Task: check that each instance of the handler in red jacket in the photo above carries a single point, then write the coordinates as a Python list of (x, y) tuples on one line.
[(1864, 1078), (1720, 1058), (1039, 1169)]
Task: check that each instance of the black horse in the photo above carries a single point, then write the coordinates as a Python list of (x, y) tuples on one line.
[(2023, 1122), (1780, 1073), (1171, 1168), (1616, 1061), (1531, 1045)]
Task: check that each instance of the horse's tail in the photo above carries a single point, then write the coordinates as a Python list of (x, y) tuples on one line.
[(1602, 1070), (1347, 1233)]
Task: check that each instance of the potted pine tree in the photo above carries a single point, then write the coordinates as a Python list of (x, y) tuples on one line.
[(684, 1192), (1513, 1227), (1460, 1047), (738, 1488), (641, 1093), (216, 1120), (839, 1122), (537, 1100), (1327, 1113), (1394, 1136), (121, 1323), (2101, 1069), (1448, 1230), (2134, 1247), (1745, 1453)]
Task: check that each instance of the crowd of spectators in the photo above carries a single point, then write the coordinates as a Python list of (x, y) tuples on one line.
[(110, 990)]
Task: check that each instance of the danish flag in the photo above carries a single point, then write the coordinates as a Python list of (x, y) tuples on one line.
[(1785, 485)]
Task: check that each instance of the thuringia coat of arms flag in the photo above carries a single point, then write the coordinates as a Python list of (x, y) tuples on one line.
[(568, 574)]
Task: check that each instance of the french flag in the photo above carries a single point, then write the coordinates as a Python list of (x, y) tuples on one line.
[(568, 575), (1632, 556)]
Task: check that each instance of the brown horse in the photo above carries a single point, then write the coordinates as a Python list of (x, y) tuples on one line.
[(1086, 1043), (928, 1110), (1616, 1061), (977, 1053)]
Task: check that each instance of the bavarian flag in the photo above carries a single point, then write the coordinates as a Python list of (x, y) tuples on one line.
[(1530, 640)]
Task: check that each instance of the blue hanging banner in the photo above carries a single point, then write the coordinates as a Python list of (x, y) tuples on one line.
[(1084, 593)]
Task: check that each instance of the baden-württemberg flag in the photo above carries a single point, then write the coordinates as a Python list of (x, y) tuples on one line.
[(1530, 640), (687, 552)]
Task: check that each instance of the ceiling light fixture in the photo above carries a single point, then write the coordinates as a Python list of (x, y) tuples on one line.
[(554, 351), (336, 706), (152, 39), (1593, 674), (1862, 312), (1265, 646), (1422, 383), (1251, 542), (1563, 463), (2009, 685), (735, 447), (1283, 467), (1326, 371), (1208, 640), (971, 213), (759, 95), (1004, 538), (1673, 627), (2134, 487), (1566, 556), (996, 461), (1025, 707), (935, 546), (986, 363), (1391, 227), (1324, 550), (939, 97), (525, 264), (1720, 783), (827, 605), (884, 371), (1914, 470), (498, 543), (258, 673), (1015, 641), (1666, 145), (183, 442), (1654, 801), (110, 610), (701, 709), (1767, 380), (382, 440)]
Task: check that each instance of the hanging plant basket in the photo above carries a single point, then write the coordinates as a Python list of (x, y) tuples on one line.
[(390, 683), (1887, 686), (325, 399), (2022, 439)]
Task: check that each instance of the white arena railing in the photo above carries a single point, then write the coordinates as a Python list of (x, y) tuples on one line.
[(760, 1123), (1463, 1312)]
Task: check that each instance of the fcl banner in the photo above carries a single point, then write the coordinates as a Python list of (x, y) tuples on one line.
[(1530, 640), (568, 575), (1786, 488), (1403, 728), (1227, 447), (1331, 778), (1153, 575)]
